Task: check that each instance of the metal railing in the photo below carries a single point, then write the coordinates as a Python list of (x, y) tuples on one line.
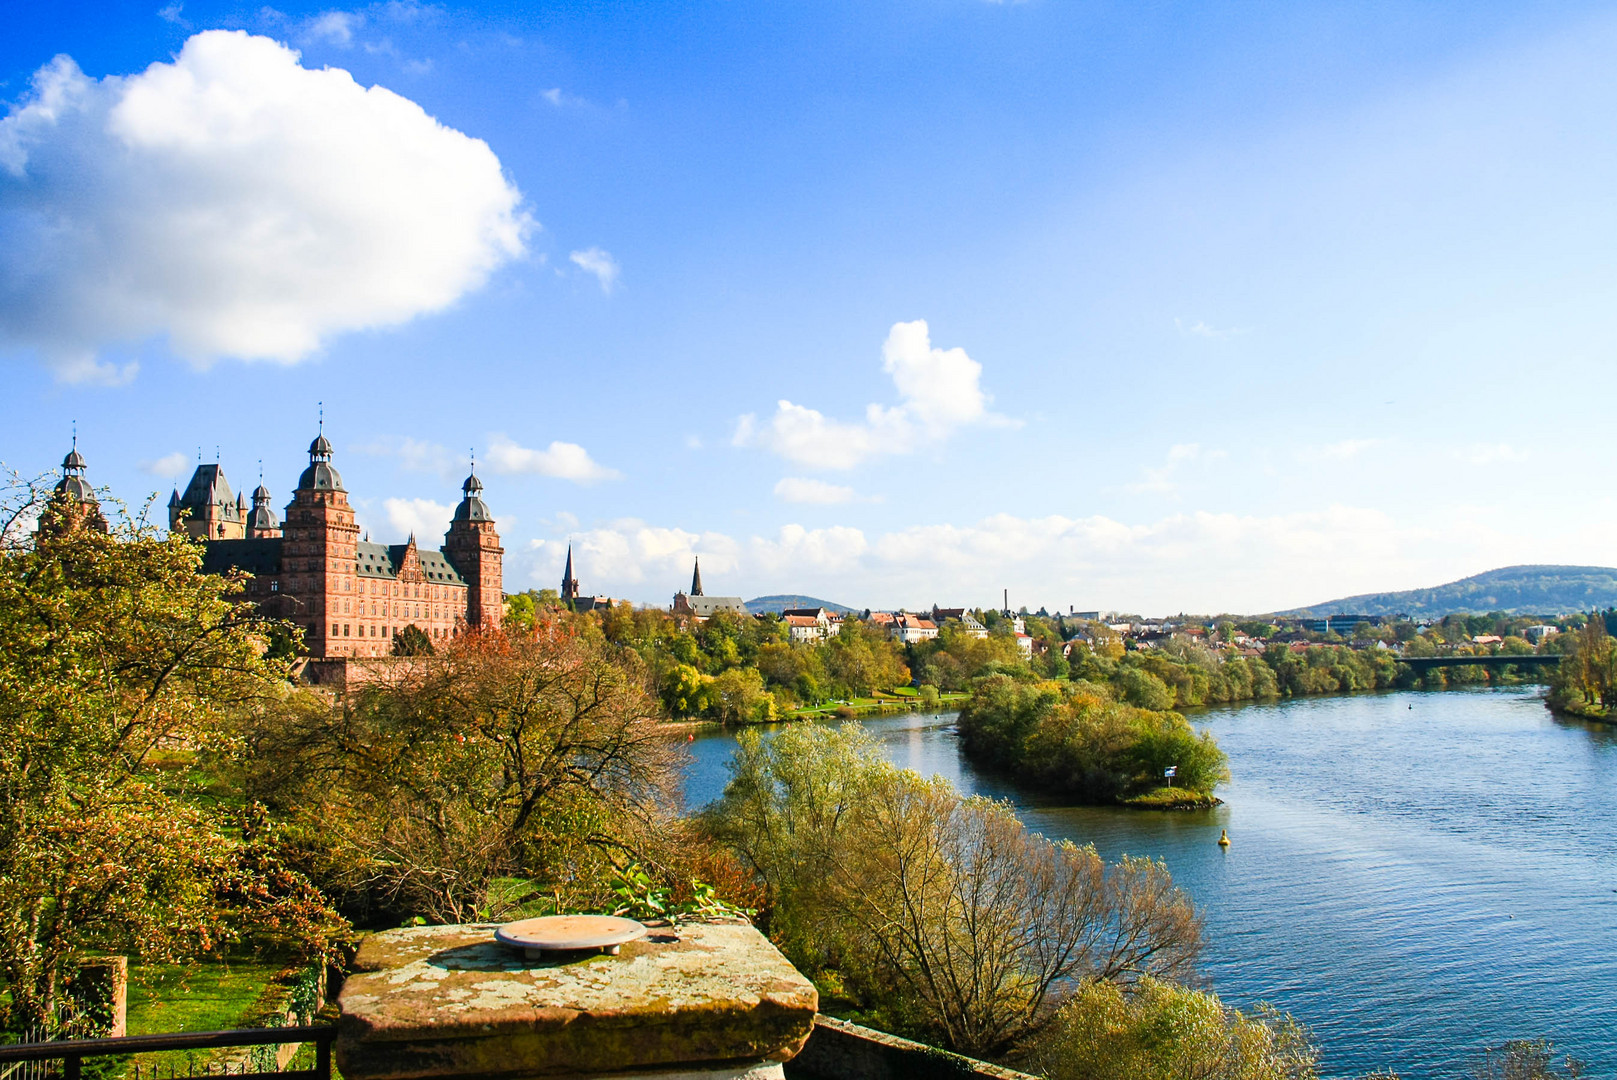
[(72, 1052)]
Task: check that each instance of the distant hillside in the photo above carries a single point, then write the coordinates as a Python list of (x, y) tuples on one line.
[(778, 604), (1530, 590)]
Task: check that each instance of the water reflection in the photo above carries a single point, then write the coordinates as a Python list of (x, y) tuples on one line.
[(1413, 874)]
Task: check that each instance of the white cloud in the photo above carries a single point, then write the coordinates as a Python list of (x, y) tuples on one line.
[(424, 519), (600, 263), (173, 13), (168, 465), (562, 460), (236, 203), (628, 552), (1348, 448), (417, 455), (333, 27), (1203, 330), (939, 390), (1490, 454), (1161, 480), (1197, 562), (794, 489)]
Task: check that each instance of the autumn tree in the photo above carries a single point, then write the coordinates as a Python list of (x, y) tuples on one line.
[(941, 912), (1165, 1032), (539, 758)]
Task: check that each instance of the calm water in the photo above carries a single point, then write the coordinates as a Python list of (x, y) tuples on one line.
[(1413, 875)]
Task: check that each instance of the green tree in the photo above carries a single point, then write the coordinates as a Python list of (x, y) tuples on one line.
[(1165, 1032), (112, 648), (941, 913), (412, 641)]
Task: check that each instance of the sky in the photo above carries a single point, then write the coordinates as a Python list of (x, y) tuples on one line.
[(1169, 307)]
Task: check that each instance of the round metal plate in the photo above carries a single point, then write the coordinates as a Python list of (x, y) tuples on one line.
[(563, 933)]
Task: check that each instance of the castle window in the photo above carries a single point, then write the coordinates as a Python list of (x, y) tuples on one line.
[(344, 629), (333, 629)]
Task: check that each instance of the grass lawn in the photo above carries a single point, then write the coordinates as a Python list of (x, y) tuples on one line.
[(198, 997)]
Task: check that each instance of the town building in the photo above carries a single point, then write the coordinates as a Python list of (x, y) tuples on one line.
[(967, 622), (911, 629), (807, 624), (696, 605), (350, 596)]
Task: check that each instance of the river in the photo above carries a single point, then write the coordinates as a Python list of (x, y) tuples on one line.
[(1413, 875)]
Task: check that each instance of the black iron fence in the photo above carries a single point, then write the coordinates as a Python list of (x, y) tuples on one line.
[(65, 1057)]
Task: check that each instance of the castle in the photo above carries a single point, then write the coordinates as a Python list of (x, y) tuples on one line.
[(349, 595)]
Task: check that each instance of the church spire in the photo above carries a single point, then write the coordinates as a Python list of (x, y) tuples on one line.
[(569, 584), (696, 578)]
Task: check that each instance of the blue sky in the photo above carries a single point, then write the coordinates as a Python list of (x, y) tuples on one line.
[(1148, 307)]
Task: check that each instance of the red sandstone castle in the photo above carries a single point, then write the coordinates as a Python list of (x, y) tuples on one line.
[(349, 595)]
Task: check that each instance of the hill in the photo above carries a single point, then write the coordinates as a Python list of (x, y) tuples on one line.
[(1535, 590), (780, 602)]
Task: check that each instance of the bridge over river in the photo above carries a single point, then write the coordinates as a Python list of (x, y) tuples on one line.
[(1421, 663)]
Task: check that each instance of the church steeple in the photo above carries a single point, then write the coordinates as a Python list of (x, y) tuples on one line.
[(569, 584), (696, 578)]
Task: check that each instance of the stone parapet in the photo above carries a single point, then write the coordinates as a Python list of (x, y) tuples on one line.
[(714, 1001)]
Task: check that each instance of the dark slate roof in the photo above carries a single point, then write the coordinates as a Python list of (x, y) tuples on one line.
[(262, 517), (257, 557), (712, 605), (375, 560), (321, 476), (208, 485), (472, 508), (75, 487), (439, 569)]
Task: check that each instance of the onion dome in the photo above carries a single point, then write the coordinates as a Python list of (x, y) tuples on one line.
[(74, 462), (472, 507), (321, 475), (261, 494)]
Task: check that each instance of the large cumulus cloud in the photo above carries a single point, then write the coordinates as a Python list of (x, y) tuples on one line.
[(237, 203)]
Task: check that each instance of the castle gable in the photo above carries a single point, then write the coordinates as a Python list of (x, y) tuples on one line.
[(407, 561)]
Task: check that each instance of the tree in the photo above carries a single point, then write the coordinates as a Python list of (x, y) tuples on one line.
[(112, 647), (1167, 1032), (739, 696), (412, 641), (519, 613), (943, 913), (1526, 1059), (540, 758)]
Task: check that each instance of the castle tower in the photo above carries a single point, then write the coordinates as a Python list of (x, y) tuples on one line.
[(569, 584), (696, 579), (208, 510), (262, 523), (73, 504), (473, 547), (317, 554)]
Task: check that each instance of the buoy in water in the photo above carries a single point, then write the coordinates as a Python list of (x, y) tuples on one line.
[(1223, 838)]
